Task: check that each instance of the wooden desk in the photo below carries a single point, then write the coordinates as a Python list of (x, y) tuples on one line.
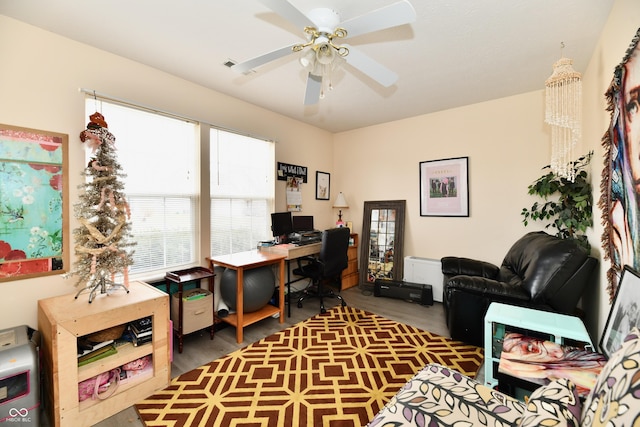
[(350, 276), (244, 261), (291, 252)]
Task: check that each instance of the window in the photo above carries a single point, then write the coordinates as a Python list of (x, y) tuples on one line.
[(242, 191), (159, 156)]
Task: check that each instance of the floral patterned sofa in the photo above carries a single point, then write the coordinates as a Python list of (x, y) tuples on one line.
[(439, 396)]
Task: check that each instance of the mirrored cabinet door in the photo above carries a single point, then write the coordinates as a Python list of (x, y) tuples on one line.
[(382, 241)]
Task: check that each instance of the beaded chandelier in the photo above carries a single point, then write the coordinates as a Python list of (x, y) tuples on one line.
[(563, 112)]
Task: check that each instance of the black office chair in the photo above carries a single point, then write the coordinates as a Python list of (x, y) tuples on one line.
[(328, 266)]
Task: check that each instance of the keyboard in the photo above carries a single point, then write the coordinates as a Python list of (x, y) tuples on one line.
[(307, 242)]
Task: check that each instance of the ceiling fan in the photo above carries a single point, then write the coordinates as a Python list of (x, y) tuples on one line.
[(322, 53)]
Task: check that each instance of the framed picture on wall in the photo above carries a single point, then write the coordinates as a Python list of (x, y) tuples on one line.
[(34, 200), (444, 187), (323, 182), (624, 312)]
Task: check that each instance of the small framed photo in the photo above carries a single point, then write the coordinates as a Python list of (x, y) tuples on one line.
[(624, 312), (323, 182), (444, 187)]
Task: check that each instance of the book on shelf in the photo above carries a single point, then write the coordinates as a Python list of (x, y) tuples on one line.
[(141, 325), (141, 331), (142, 340), (98, 354), (141, 334), (86, 347)]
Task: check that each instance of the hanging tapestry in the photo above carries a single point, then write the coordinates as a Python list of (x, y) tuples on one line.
[(620, 185)]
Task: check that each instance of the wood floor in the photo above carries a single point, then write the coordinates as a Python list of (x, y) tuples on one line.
[(199, 349)]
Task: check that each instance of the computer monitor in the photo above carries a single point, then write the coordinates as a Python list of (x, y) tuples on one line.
[(302, 223), (281, 224)]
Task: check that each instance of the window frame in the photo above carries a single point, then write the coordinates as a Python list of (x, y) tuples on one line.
[(202, 234)]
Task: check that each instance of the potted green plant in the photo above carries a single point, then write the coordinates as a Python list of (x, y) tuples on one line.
[(567, 204)]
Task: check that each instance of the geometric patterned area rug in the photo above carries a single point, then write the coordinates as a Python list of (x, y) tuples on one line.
[(335, 369)]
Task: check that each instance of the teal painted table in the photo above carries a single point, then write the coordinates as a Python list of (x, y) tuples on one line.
[(557, 327)]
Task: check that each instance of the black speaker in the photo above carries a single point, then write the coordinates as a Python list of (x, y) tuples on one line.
[(414, 292)]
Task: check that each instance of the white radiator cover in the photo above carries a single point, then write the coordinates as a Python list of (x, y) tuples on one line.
[(425, 271)]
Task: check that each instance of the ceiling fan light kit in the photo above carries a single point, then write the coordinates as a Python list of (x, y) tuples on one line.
[(321, 49), (320, 56)]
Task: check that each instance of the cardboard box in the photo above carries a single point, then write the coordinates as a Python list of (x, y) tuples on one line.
[(197, 310)]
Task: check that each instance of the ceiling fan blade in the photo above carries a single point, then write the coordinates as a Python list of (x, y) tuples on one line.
[(371, 68), (312, 93), (250, 64), (289, 12), (395, 14)]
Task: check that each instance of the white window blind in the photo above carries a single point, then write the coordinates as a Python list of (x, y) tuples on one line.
[(159, 156), (242, 191)]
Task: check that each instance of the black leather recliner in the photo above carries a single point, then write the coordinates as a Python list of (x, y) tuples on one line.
[(539, 271)]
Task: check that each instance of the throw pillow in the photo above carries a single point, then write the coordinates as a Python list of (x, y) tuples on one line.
[(440, 396), (615, 399), (555, 404)]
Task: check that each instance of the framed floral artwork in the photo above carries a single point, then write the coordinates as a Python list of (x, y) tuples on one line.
[(33, 202)]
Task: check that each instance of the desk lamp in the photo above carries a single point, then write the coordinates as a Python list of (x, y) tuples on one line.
[(340, 203)]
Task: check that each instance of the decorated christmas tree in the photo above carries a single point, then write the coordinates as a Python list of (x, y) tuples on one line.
[(103, 241)]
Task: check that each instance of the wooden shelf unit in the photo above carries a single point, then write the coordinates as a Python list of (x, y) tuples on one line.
[(63, 319), (350, 276)]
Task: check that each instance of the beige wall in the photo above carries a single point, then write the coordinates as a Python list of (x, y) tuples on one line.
[(506, 141), (507, 145), (40, 77)]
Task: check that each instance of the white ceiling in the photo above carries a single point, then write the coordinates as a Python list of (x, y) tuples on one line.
[(458, 52)]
